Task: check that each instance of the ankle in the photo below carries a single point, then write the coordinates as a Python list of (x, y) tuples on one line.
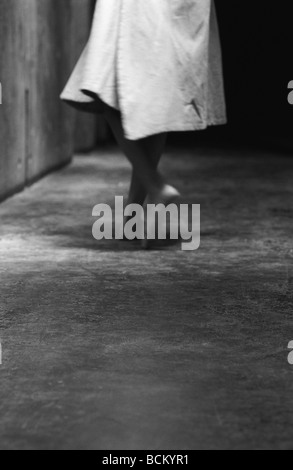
[(164, 194)]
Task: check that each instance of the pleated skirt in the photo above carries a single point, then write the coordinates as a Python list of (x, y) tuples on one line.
[(158, 62)]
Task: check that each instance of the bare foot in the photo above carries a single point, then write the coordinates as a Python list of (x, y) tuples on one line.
[(168, 195)]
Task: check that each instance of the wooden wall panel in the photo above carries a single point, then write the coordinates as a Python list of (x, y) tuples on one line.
[(40, 41), (12, 109), (50, 138)]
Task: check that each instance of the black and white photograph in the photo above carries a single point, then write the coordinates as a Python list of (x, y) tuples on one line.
[(146, 228)]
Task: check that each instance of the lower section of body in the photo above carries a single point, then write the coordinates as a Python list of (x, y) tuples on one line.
[(152, 68)]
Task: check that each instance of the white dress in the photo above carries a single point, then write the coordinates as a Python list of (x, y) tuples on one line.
[(157, 61)]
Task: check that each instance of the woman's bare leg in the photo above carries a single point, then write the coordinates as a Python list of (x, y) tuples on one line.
[(138, 154), (137, 193), (155, 146), (144, 156)]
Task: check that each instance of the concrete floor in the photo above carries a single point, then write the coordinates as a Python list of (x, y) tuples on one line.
[(109, 347)]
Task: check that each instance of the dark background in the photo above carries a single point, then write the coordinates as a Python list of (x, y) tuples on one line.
[(257, 40)]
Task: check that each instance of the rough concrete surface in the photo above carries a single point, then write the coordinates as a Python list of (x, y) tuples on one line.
[(105, 346)]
